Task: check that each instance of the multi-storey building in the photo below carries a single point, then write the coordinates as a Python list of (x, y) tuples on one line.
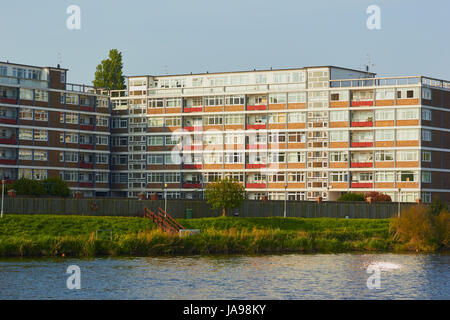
[(295, 133), (51, 128)]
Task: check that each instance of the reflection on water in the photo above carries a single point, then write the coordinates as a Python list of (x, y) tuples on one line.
[(293, 276)]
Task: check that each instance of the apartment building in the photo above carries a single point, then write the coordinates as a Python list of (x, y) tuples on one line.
[(291, 133), (49, 127)]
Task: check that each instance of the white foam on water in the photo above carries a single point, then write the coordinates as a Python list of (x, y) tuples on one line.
[(386, 265)]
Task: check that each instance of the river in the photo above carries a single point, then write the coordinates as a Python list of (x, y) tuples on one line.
[(287, 276)]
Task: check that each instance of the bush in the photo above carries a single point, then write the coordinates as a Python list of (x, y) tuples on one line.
[(55, 186), (437, 206), (378, 197), (352, 197), (421, 230)]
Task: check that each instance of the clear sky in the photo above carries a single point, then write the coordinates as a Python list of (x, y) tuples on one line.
[(183, 36)]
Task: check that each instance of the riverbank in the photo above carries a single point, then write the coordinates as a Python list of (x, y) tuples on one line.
[(84, 236)]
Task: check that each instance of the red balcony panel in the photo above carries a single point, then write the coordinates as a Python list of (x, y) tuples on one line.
[(194, 147), (192, 185), (9, 181), (361, 164), (86, 127), (189, 128), (8, 121), (8, 161), (255, 165), (362, 144), (86, 108), (7, 141), (362, 103), (86, 184), (87, 146), (256, 146), (362, 123), (260, 107), (86, 165), (256, 126), (256, 185), (192, 166), (8, 100), (193, 109), (362, 185)]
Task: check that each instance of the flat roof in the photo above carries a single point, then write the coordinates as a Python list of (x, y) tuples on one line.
[(31, 66), (246, 71)]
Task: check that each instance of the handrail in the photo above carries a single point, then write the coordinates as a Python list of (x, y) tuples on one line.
[(178, 225), (163, 220)]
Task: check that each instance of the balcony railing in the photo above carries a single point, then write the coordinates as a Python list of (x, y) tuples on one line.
[(257, 107), (89, 127), (256, 185), (87, 108), (361, 165), (8, 161), (255, 165), (256, 126), (8, 120), (256, 146), (362, 144), (86, 165), (193, 128), (7, 141), (362, 103), (193, 147), (193, 109), (362, 123), (362, 184), (8, 100), (192, 166), (86, 184), (86, 146), (192, 185)]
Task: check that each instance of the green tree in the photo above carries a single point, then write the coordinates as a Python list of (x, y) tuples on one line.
[(225, 194), (28, 187), (352, 197), (108, 74), (55, 186)]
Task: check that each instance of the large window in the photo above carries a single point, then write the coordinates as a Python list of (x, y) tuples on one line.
[(384, 155), (155, 122), (296, 117), (338, 156), (407, 134), (407, 155), (296, 157), (277, 98), (384, 115), (339, 136), (426, 135), (385, 135), (234, 119), (338, 116), (297, 97), (172, 121), (407, 176), (384, 176), (407, 114), (41, 95)]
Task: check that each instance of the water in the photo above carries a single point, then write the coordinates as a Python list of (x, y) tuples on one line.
[(293, 276)]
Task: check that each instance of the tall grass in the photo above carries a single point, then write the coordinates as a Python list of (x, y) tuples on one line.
[(420, 230)]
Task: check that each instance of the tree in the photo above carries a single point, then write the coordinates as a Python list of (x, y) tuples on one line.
[(225, 194), (352, 197), (28, 187), (55, 186), (108, 74), (378, 197)]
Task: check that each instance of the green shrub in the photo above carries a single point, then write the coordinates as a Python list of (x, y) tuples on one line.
[(378, 197), (55, 186), (352, 197), (28, 187)]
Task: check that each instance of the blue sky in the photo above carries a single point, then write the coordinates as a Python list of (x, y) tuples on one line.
[(174, 36)]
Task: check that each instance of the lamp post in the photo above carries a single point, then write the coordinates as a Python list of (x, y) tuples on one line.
[(165, 198), (285, 199), (398, 199), (3, 195)]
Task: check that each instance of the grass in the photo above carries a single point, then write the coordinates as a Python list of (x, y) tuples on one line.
[(55, 235)]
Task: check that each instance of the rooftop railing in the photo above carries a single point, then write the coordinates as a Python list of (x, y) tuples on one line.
[(374, 82)]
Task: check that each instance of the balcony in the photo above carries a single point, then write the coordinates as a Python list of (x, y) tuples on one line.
[(361, 165), (256, 126), (86, 146), (367, 103), (192, 185), (362, 185), (255, 165), (8, 161), (87, 108), (8, 120), (256, 146), (193, 128), (362, 123), (362, 144), (89, 127), (192, 166), (256, 185), (8, 100), (257, 107), (86, 165), (193, 109), (8, 141), (86, 184)]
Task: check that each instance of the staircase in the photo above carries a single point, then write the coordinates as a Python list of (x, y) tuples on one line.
[(163, 220)]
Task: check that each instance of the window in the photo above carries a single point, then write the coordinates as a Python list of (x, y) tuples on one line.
[(234, 100), (233, 119), (384, 155), (339, 95), (297, 97), (40, 155), (276, 157), (39, 174), (173, 140), (426, 176), (338, 156), (296, 176), (25, 154), (102, 140), (385, 135), (213, 139), (68, 157), (25, 173), (384, 176), (426, 156), (296, 157), (71, 176), (339, 136), (277, 137), (407, 114), (385, 94), (213, 120), (296, 137), (156, 140), (407, 155), (71, 98), (427, 114), (277, 177), (26, 94), (40, 135), (426, 135), (384, 115), (172, 121), (119, 141), (119, 159), (338, 176), (155, 177), (213, 158), (296, 117), (41, 95), (25, 134), (172, 177), (338, 116), (426, 94), (40, 115), (407, 176), (211, 101), (101, 159), (156, 122), (277, 98), (119, 123), (407, 134), (63, 77), (277, 118), (406, 93), (234, 139), (26, 114), (102, 121), (155, 159), (173, 158), (69, 137), (233, 157)]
